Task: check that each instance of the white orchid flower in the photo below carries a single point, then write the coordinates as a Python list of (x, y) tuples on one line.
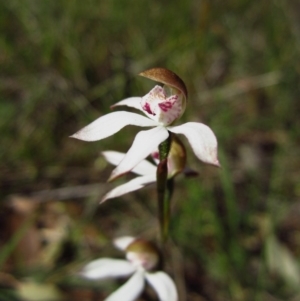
[(146, 171), (162, 106), (142, 257)]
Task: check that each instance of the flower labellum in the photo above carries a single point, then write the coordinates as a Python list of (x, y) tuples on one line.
[(159, 107)]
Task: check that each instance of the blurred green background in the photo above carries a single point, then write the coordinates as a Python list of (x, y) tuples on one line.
[(236, 230)]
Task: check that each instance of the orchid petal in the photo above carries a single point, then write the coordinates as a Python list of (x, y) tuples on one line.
[(113, 157), (130, 290), (107, 268), (143, 168), (123, 242), (202, 140), (110, 124), (133, 102), (143, 145), (163, 285), (130, 186)]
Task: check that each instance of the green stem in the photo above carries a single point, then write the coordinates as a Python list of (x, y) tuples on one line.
[(167, 208), (162, 180), (162, 174)]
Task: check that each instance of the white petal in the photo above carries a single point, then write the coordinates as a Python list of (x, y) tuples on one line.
[(130, 186), (107, 268), (123, 242), (130, 290), (202, 140), (163, 285), (143, 168), (133, 102), (143, 145), (113, 157), (110, 124)]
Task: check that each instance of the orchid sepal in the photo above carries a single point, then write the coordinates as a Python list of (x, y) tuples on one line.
[(202, 140), (166, 77), (143, 145), (110, 124)]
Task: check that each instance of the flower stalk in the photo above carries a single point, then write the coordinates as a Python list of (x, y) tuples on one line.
[(163, 198)]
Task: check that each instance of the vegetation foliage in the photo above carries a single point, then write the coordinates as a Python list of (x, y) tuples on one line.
[(63, 63)]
